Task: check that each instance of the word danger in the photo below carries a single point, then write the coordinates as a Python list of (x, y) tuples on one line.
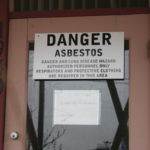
[(83, 39)]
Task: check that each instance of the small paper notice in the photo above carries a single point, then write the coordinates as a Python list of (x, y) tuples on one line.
[(77, 107)]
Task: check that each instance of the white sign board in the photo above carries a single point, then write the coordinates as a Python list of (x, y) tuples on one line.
[(77, 107), (91, 55)]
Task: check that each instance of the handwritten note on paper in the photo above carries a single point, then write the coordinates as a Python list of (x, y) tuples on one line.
[(77, 107)]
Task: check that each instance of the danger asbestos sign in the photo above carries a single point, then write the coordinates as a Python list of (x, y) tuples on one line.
[(87, 55)]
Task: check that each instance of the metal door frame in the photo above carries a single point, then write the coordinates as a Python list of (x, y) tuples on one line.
[(25, 40)]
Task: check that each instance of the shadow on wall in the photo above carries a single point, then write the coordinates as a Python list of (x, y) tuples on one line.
[(148, 51)]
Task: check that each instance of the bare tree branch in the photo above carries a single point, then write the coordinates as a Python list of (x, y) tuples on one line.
[(54, 138)]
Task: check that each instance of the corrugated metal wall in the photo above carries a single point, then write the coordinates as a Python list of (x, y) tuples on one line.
[(39, 5)]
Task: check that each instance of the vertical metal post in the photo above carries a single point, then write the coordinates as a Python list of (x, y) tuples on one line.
[(31, 5), (96, 3), (112, 3), (35, 5), (120, 3), (51, 4), (17, 5), (61, 5), (46, 4), (72, 4), (22, 5), (117, 3), (83, 4), (31, 131), (128, 3), (41, 115), (40, 5), (3, 63), (25, 5)]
